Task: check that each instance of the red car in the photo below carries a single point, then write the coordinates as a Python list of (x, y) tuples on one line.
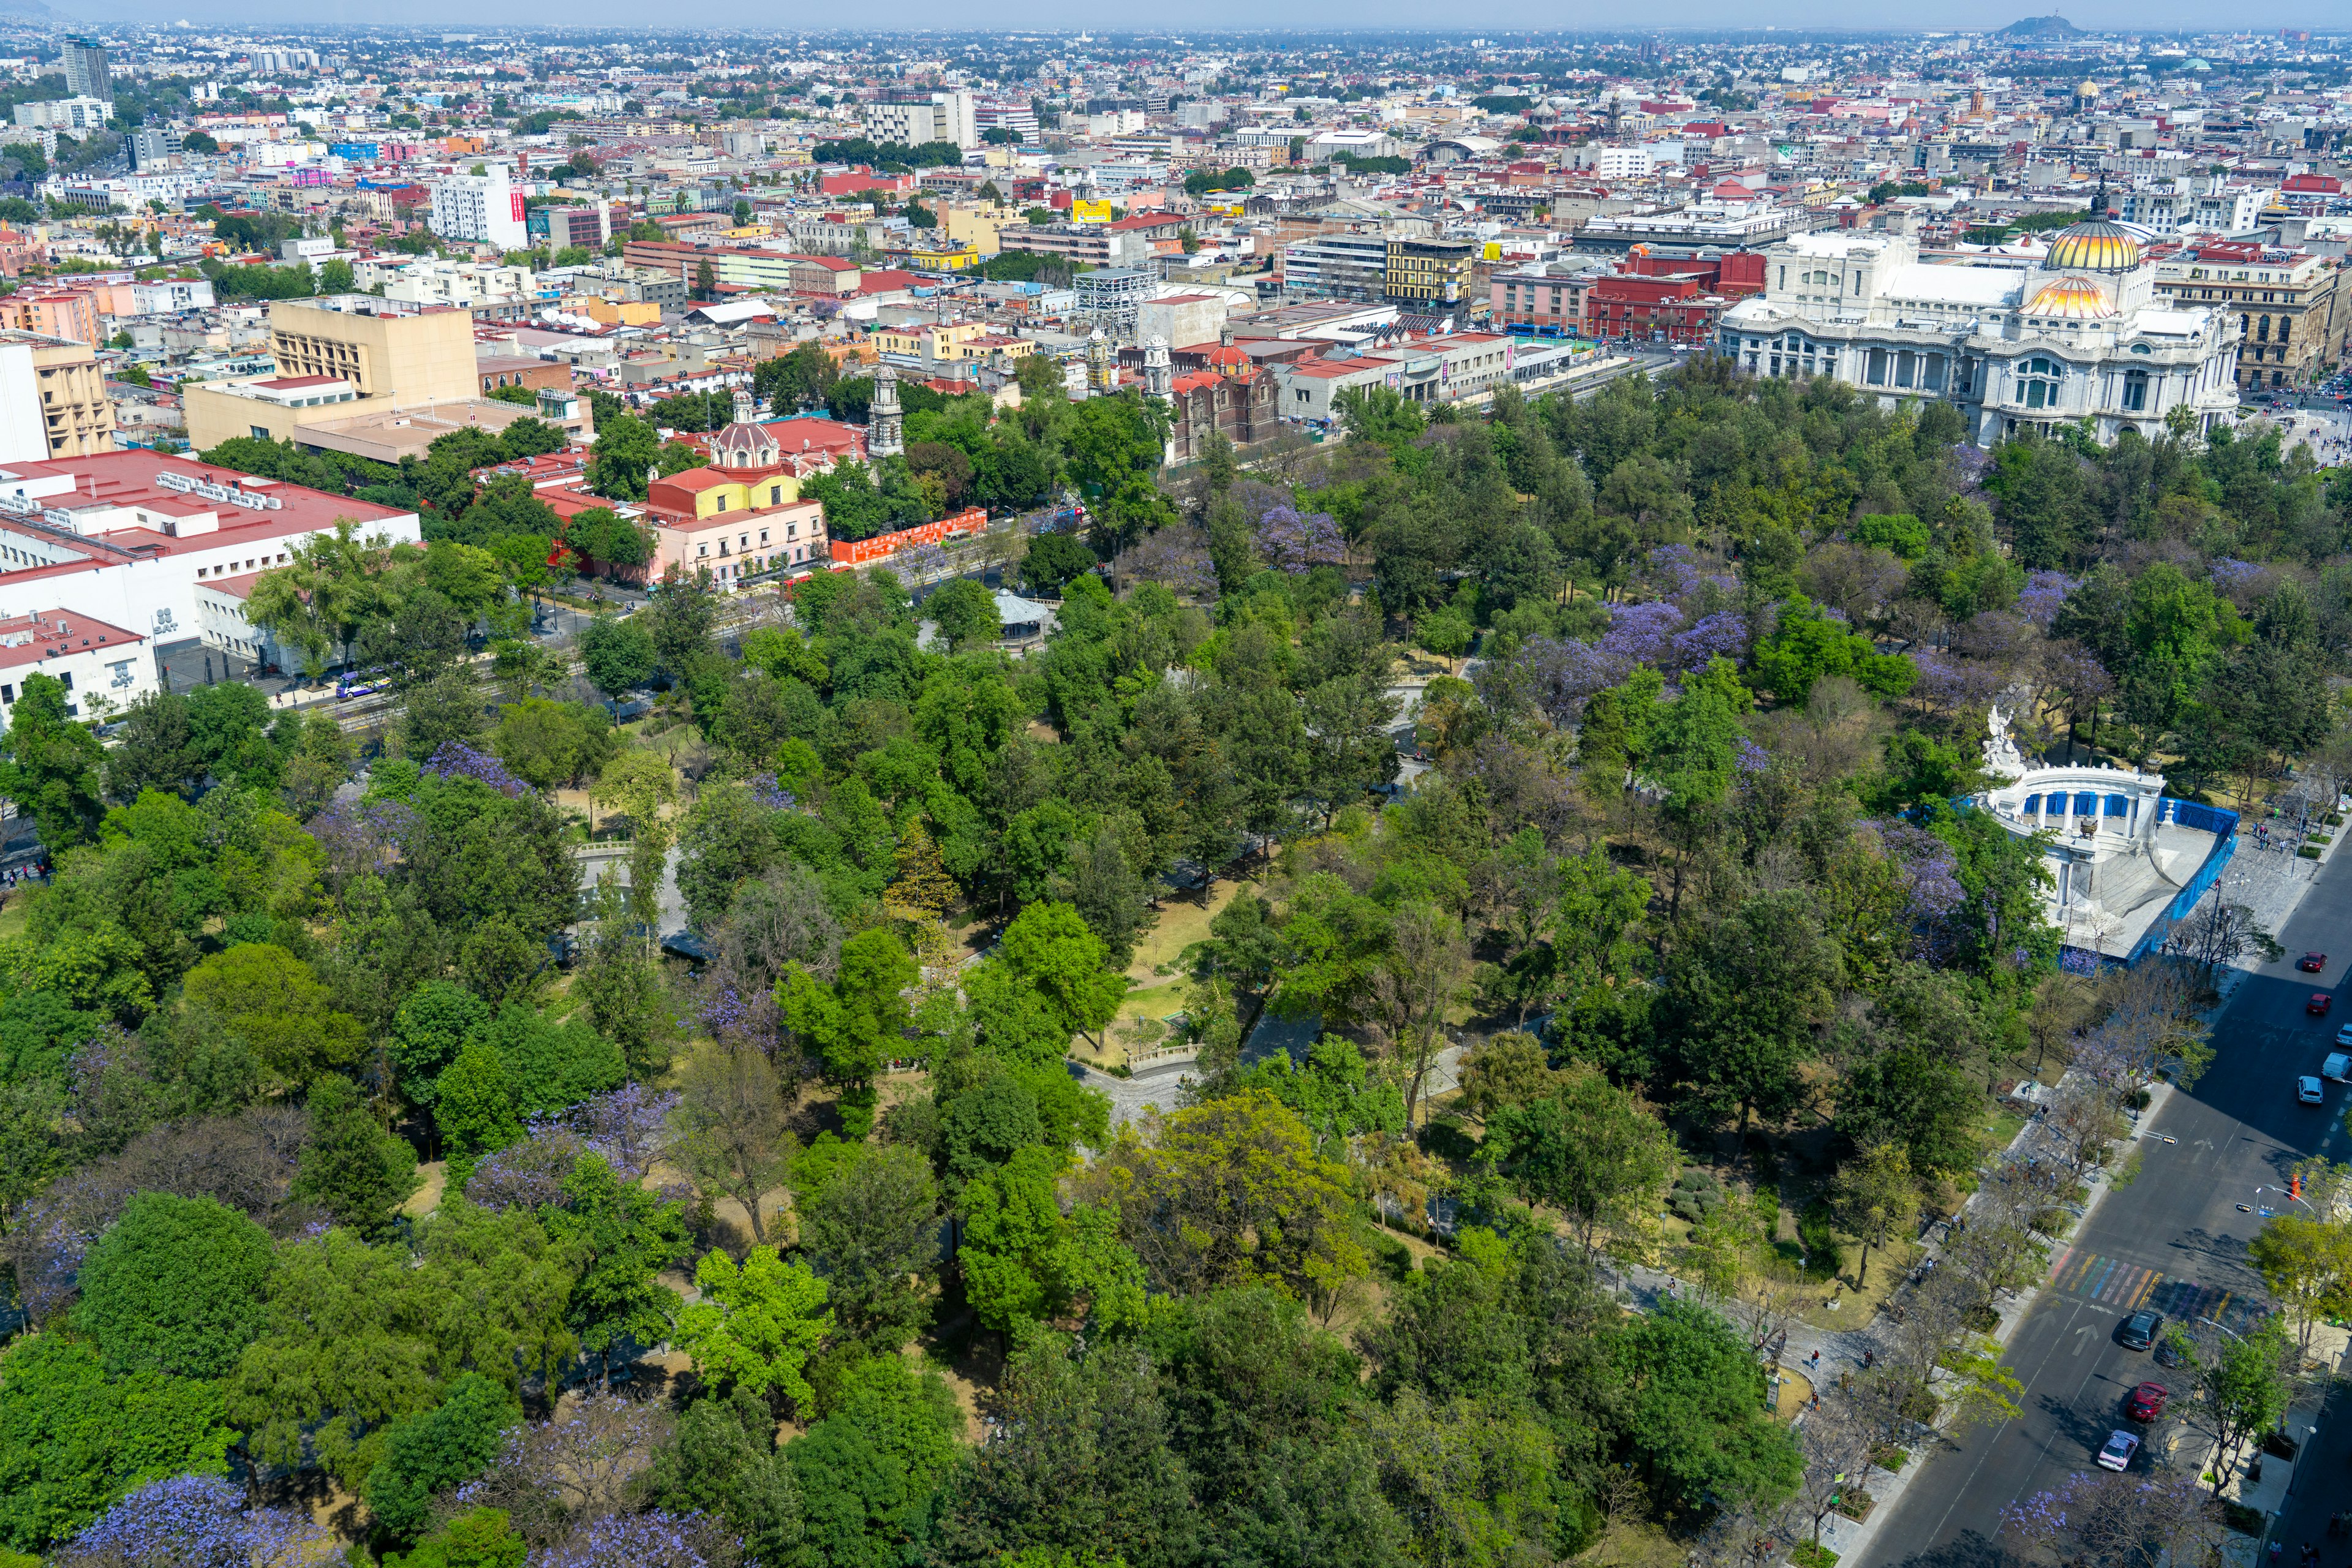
[(2320, 1001), (2146, 1402), (2312, 962)]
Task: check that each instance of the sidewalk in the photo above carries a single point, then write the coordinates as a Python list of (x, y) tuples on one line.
[(2271, 883), (1847, 1537), (2192, 1452)]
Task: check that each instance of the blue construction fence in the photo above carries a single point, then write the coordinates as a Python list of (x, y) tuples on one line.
[(2213, 819)]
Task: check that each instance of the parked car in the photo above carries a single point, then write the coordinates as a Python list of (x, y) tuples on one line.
[(2309, 1091), (2321, 1001), (2139, 1330), (2338, 1067), (2117, 1454), (2312, 962), (2146, 1402)]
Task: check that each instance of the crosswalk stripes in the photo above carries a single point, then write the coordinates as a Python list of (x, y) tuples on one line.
[(2128, 1287)]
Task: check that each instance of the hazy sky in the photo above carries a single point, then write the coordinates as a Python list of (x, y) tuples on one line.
[(2168, 15)]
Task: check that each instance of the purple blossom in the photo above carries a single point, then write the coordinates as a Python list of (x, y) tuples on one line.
[(1675, 573), (528, 1175), (727, 1014), (1255, 498), (629, 1126), (1175, 557), (1752, 758), (362, 838), (2079, 961), (1559, 674), (1293, 541), (196, 1522), (455, 759), (1930, 866), (626, 1127), (1642, 633), (1953, 682), (768, 792), (1932, 894), (2230, 576), (1724, 633), (656, 1540), (2044, 595)]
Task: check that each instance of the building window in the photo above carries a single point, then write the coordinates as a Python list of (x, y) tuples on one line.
[(2135, 391), (1877, 373), (2039, 379)]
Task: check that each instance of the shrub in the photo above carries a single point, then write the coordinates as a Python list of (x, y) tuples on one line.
[(1814, 1231), (1812, 1554), (1695, 1195)]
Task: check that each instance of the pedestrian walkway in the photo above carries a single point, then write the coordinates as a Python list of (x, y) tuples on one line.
[(2128, 1287)]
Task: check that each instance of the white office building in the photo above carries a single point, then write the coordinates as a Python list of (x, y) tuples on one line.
[(484, 208), (77, 113), (914, 119)]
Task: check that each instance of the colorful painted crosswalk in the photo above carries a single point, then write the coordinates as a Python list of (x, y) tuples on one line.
[(2127, 1287)]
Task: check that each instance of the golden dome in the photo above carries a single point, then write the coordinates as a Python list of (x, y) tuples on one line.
[(2069, 300), (2096, 245)]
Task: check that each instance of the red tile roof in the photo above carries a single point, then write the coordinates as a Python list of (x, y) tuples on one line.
[(48, 634)]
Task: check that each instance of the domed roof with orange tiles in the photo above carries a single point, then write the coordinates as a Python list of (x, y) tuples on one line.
[(2096, 245), (2071, 299)]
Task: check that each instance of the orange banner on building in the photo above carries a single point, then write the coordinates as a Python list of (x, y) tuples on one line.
[(882, 546)]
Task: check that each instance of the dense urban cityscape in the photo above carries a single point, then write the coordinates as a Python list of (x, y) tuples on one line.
[(1084, 798)]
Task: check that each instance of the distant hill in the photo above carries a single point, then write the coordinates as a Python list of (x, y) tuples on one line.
[(2051, 26)]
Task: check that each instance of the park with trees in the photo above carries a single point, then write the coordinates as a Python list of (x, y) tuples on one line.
[(374, 1183)]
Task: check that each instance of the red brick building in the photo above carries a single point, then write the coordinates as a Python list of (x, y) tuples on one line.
[(1668, 309), (1245, 405)]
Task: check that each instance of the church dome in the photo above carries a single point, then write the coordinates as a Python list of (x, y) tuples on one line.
[(2069, 300), (2096, 245)]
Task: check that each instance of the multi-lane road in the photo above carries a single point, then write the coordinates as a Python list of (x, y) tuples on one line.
[(2174, 1239)]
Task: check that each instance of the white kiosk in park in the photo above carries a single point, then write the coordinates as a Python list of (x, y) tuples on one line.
[(2126, 859)]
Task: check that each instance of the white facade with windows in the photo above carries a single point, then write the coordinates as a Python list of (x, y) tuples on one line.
[(914, 119), (2079, 335), (484, 208)]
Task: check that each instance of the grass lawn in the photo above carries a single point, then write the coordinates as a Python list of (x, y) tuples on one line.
[(1156, 1001), (1183, 921), (2001, 1129), (434, 1175), (1855, 1307)]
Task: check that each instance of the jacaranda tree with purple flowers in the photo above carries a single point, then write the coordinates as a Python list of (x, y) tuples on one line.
[(1292, 541), (197, 1522)]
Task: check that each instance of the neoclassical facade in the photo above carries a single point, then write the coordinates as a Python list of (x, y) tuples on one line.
[(2125, 859), (2079, 333)]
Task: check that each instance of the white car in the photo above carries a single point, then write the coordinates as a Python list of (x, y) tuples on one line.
[(2117, 1454), (2338, 1065), (2344, 1036), (2310, 1091)]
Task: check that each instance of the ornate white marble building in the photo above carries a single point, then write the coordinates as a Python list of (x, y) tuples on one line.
[(2078, 334), (2122, 855)]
